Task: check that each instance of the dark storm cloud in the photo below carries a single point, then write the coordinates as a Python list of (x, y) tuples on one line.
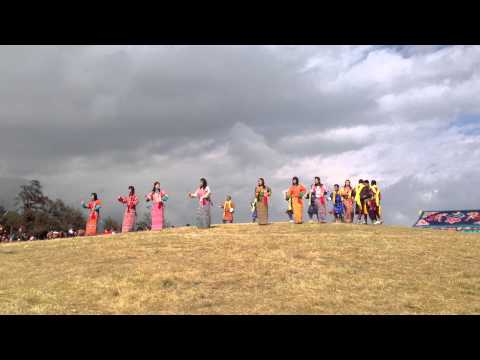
[(84, 118)]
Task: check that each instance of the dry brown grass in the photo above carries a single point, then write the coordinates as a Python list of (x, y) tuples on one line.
[(246, 269)]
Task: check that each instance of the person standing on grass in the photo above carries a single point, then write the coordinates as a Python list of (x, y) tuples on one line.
[(346, 193), (296, 192), (253, 210), (289, 201), (317, 202), (131, 201), (203, 194), (93, 215), (337, 202), (378, 199), (366, 195), (359, 204), (228, 209), (262, 197), (158, 197)]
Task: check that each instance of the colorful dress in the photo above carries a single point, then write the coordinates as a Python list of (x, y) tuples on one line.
[(130, 213), (296, 193), (289, 206), (378, 198), (338, 207), (317, 204), (158, 199), (262, 196), (228, 209), (93, 217), (360, 208), (346, 193), (203, 212)]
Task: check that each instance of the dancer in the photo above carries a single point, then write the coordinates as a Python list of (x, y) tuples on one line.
[(158, 197), (93, 215), (131, 200), (296, 192), (378, 199), (289, 211), (359, 204), (204, 199), (338, 208), (370, 203), (253, 209), (262, 196), (228, 209), (346, 193), (366, 195), (317, 202)]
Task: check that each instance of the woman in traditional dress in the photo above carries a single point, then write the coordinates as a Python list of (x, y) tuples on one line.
[(296, 192), (93, 215), (346, 193), (317, 200), (262, 196), (158, 197), (131, 201), (203, 194)]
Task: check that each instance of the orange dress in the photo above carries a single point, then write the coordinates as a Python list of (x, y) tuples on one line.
[(228, 207), (296, 193), (93, 217)]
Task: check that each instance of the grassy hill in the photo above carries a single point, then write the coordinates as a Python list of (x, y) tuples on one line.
[(246, 269)]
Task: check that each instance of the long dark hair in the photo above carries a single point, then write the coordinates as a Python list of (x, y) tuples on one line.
[(204, 183), (315, 182), (95, 197), (155, 184), (263, 182), (295, 178), (131, 189)]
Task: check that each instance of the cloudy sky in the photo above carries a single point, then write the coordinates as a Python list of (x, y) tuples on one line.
[(99, 118)]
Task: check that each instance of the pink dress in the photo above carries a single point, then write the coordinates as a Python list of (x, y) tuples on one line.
[(130, 214), (158, 200)]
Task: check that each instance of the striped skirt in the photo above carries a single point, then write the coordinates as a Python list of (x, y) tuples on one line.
[(262, 213), (91, 229), (128, 223), (203, 217)]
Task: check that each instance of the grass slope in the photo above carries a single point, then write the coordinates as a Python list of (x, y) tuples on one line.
[(246, 269)]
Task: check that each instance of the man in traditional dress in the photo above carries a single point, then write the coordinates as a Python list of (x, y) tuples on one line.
[(378, 199), (359, 204)]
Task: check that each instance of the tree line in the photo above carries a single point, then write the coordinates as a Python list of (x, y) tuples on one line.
[(36, 214)]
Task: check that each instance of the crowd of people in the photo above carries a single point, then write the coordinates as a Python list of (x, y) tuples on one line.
[(348, 204)]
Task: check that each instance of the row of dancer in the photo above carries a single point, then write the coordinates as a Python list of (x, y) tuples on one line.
[(158, 198), (363, 200)]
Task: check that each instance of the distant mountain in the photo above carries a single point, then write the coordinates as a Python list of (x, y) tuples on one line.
[(9, 188)]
